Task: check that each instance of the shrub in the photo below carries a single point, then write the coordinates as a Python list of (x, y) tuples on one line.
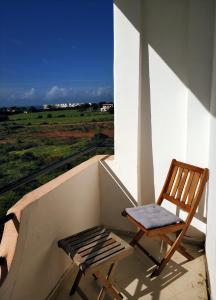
[(17, 126), (19, 141), (49, 116), (28, 156), (84, 128), (3, 117), (111, 110), (99, 138), (12, 148)]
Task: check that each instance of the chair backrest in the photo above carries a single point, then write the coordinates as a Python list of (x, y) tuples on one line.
[(184, 185)]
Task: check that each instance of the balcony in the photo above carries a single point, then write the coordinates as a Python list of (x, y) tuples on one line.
[(83, 197), (165, 107)]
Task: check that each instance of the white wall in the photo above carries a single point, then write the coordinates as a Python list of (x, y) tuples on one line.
[(164, 31), (166, 47), (211, 209), (175, 118), (114, 199), (178, 35), (168, 117), (126, 93), (199, 60), (66, 205)]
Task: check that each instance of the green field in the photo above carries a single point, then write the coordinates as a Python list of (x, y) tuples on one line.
[(60, 117), (30, 141)]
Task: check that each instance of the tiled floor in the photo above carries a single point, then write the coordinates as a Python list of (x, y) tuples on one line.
[(179, 280)]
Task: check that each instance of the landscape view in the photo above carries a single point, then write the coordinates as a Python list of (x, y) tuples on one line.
[(38, 145), (56, 90)]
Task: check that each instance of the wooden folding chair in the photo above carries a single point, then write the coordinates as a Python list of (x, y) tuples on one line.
[(183, 187)]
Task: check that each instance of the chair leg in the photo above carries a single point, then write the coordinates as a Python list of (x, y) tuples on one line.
[(180, 249), (168, 255), (76, 282), (136, 238)]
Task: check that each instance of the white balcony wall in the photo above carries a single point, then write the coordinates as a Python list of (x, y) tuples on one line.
[(174, 50), (114, 199), (66, 205), (175, 119), (178, 35), (126, 94), (211, 208), (199, 69), (164, 35)]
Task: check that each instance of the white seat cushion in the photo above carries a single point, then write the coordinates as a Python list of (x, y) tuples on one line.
[(152, 216)]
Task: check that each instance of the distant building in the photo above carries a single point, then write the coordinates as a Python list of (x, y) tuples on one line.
[(106, 107), (63, 105)]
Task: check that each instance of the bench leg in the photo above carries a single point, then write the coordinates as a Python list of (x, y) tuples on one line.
[(107, 286), (94, 276), (76, 283)]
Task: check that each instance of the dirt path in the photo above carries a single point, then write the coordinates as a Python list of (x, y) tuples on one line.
[(73, 133)]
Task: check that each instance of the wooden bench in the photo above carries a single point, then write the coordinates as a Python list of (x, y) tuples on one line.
[(90, 250)]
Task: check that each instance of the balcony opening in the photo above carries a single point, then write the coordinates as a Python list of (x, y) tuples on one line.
[(56, 91)]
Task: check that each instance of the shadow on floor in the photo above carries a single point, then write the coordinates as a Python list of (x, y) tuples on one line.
[(179, 280)]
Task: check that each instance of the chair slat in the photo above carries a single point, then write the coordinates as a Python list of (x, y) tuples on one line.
[(182, 184), (172, 179), (185, 195), (176, 185), (193, 188), (181, 205), (189, 167)]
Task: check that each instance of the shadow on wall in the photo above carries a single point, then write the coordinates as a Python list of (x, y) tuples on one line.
[(181, 33), (186, 47)]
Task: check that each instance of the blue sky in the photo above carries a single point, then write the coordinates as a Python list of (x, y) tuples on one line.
[(54, 50)]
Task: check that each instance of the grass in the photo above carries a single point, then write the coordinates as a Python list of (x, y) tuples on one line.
[(34, 140), (45, 151), (59, 117)]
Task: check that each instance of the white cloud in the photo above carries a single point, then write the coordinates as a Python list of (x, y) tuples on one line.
[(30, 94), (54, 94), (56, 91)]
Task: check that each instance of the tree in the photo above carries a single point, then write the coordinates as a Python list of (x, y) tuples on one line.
[(33, 109), (3, 117), (111, 110)]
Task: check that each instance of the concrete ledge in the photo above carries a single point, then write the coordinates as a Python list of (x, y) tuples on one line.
[(52, 211)]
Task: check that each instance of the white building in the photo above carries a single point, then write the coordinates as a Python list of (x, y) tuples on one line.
[(61, 105), (45, 106), (165, 107), (105, 107)]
